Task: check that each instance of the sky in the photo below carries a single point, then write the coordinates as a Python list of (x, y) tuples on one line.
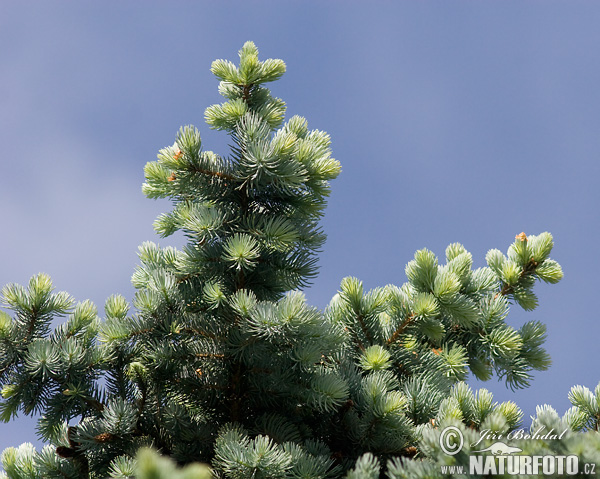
[(453, 121)]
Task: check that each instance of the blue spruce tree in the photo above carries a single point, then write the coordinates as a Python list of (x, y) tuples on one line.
[(221, 361)]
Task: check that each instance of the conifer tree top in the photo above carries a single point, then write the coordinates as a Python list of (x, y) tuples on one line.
[(257, 209), (221, 361)]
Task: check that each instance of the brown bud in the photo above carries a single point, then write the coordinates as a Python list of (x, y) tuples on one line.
[(104, 437), (521, 237), (410, 451)]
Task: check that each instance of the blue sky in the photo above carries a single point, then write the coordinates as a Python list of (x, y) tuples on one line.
[(453, 121)]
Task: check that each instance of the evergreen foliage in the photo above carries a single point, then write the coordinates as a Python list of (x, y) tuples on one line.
[(222, 361)]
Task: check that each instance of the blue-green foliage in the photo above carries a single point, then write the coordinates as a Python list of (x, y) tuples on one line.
[(223, 362)]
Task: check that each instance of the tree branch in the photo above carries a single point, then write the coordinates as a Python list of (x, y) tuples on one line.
[(400, 329)]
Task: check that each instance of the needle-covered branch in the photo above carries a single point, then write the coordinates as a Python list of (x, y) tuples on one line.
[(219, 359)]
